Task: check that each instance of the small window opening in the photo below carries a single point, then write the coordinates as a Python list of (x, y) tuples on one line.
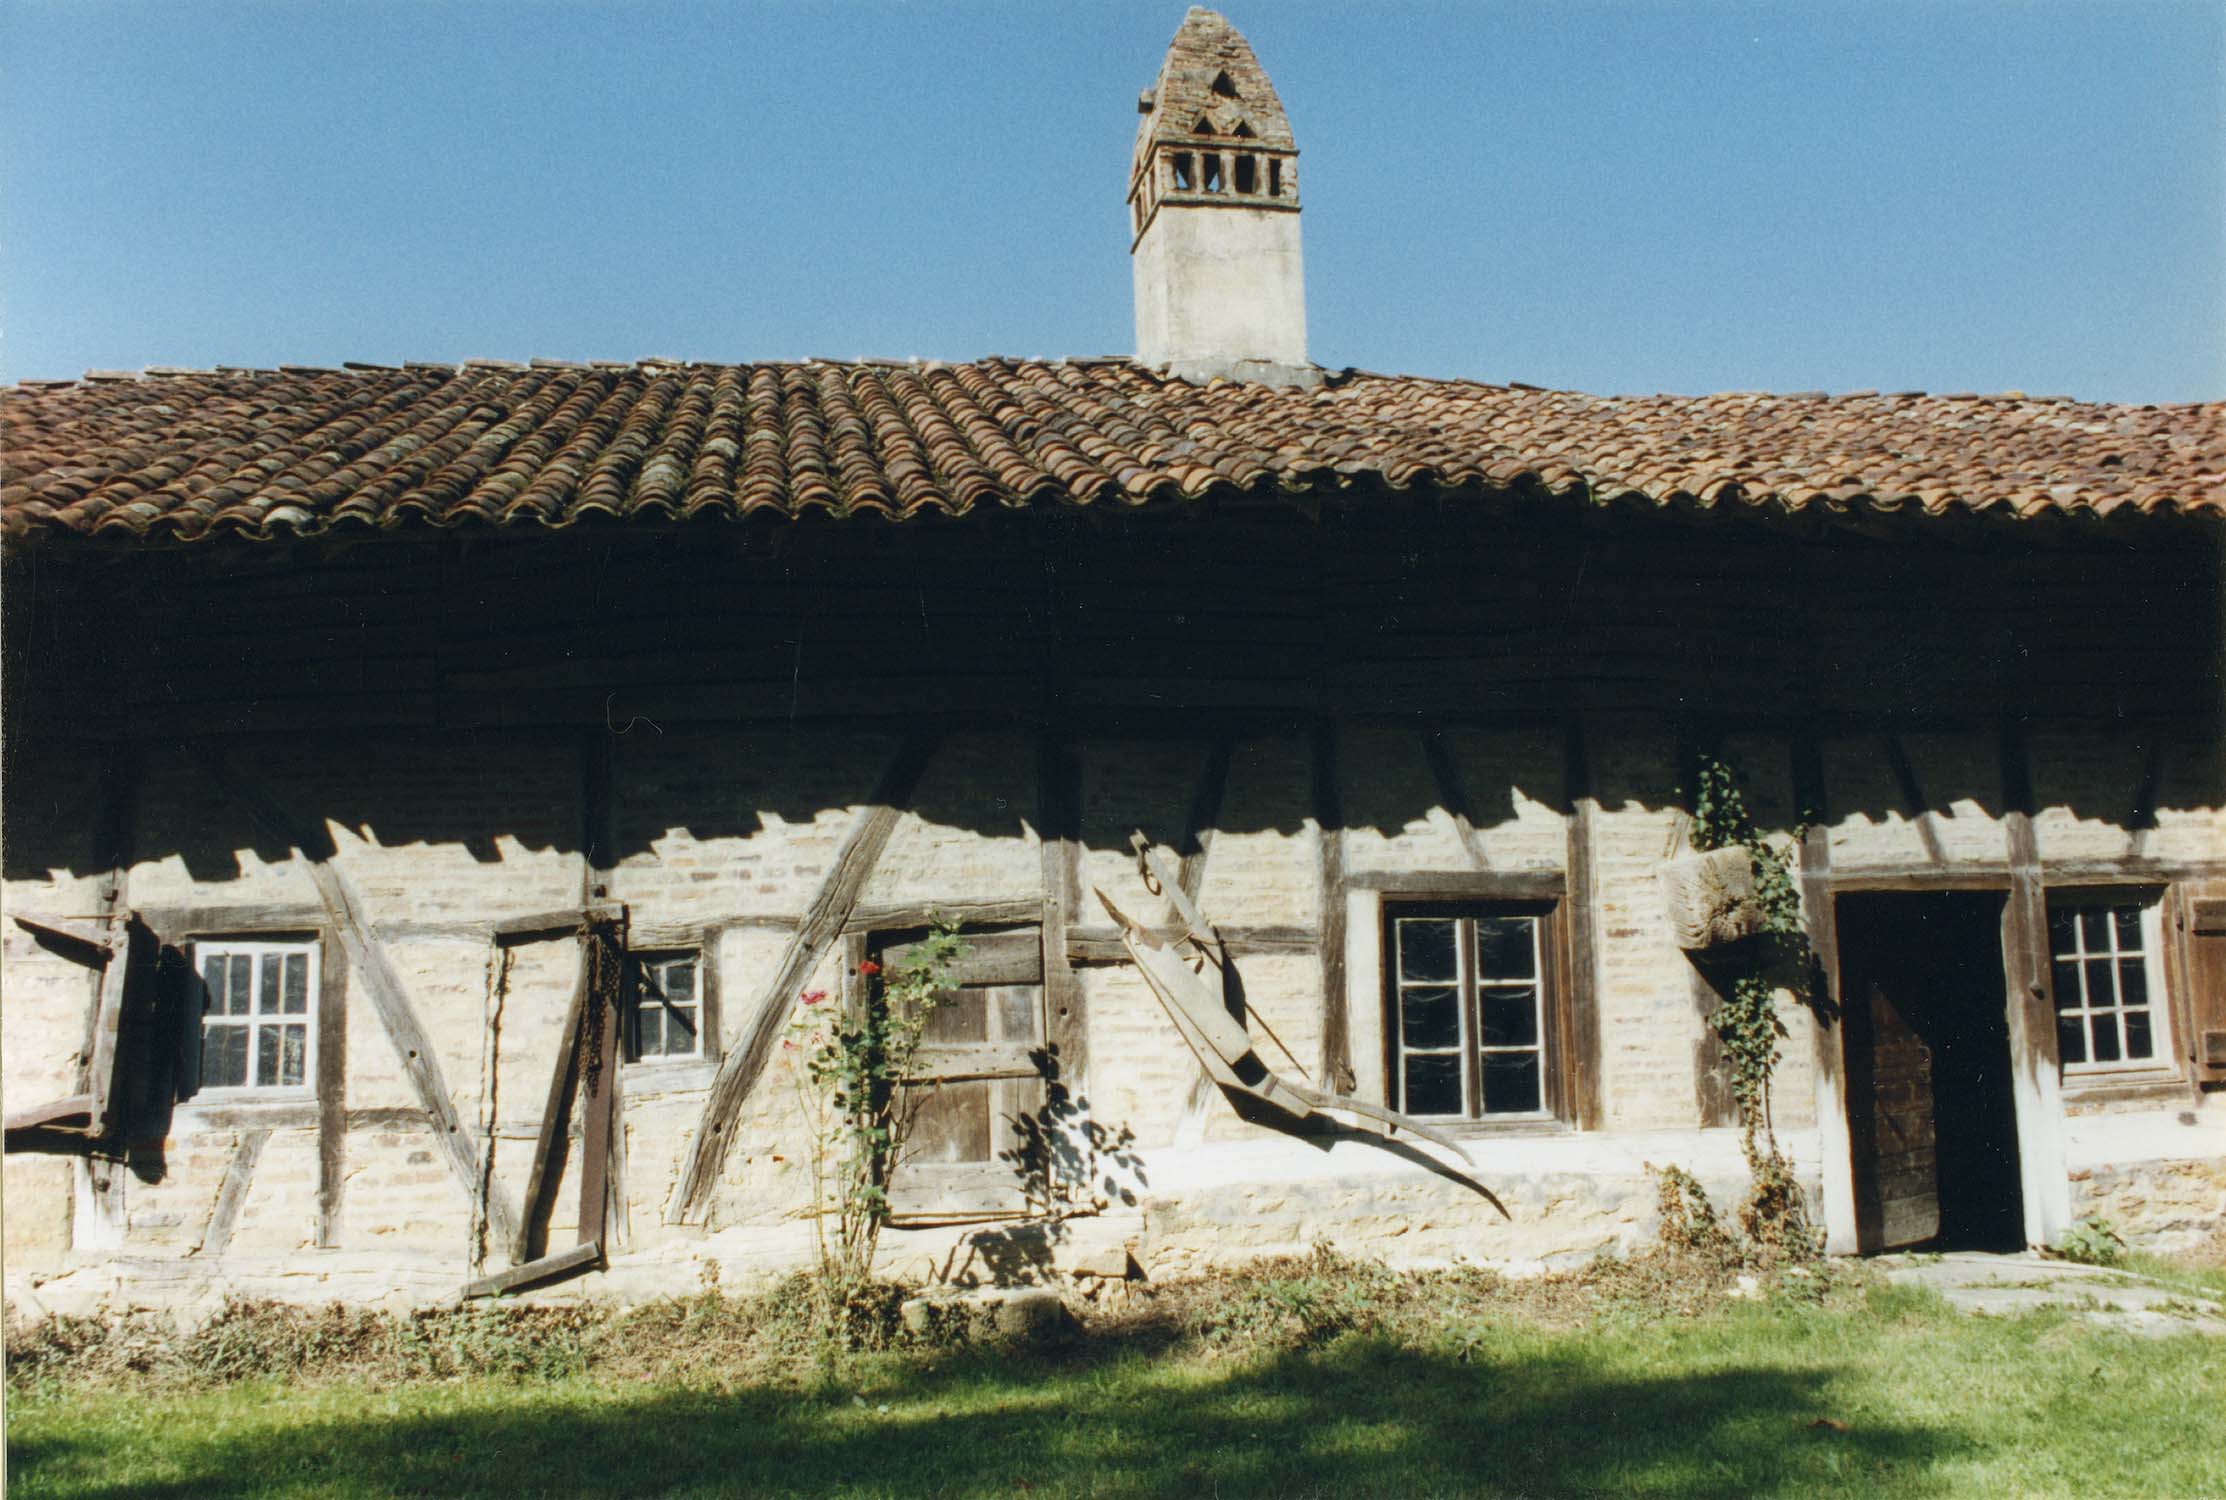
[(1248, 175), (1243, 131), (1223, 87), (1203, 127), (1275, 177), (1213, 171), (1183, 177)]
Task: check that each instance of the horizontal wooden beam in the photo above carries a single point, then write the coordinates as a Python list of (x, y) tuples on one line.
[(1018, 912), (554, 924), (582, 1257), (1465, 885), (88, 940), (71, 1112)]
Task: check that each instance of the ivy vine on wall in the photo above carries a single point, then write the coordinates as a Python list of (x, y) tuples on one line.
[(1748, 979)]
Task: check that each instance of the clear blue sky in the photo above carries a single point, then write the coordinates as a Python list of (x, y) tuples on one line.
[(1611, 197)]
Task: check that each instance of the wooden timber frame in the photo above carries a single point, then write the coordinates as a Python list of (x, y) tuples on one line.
[(825, 918), (382, 983), (587, 1068)]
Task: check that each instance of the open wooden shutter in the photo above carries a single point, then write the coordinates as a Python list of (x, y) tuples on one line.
[(2202, 920), (128, 1045), (979, 1067)]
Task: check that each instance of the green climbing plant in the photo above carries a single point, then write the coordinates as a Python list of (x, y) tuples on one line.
[(1747, 1017)]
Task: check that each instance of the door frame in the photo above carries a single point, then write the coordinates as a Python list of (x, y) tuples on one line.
[(2036, 1078)]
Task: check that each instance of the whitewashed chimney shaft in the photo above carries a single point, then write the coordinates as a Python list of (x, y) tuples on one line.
[(1214, 210)]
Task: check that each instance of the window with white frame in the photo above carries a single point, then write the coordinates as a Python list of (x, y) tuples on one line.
[(258, 1013), (664, 1018), (1470, 1007), (2110, 1010)]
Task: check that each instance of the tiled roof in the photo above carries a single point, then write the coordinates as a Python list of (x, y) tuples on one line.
[(303, 451)]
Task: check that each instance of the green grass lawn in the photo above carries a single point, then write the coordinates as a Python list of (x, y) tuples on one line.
[(1880, 1393)]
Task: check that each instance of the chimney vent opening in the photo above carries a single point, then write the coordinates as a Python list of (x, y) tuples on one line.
[(1203, 127), (1211, 160), (1248, 174), (1275, 177), (1223, 87), (1183, 177)]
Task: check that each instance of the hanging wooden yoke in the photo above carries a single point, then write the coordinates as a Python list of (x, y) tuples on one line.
[(1219, 1039)]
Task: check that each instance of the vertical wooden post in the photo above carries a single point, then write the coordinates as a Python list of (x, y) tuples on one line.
[(332, 1086), (599, 1078), (1058, 829), (1835, 1141), (103, 1179), (1329, 817), (2035, 1070), (1582, 923)]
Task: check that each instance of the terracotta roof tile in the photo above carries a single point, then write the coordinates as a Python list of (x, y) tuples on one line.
[(191, 454)]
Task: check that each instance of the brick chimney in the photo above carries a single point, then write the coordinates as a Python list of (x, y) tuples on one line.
[(1214, 210)]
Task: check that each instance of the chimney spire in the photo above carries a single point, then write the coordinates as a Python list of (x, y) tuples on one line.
[(1214, 212)]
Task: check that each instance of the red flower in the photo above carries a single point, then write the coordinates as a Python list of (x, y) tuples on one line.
[(869, 968), (813, 997)]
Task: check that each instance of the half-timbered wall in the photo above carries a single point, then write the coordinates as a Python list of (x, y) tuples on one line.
[(766, 744)]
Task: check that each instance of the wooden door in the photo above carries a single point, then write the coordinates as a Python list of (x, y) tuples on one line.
[(1931, 1115), (981, 1070), (1904, 1141)]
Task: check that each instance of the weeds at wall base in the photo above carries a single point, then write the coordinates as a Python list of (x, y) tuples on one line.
[(783, 1336)]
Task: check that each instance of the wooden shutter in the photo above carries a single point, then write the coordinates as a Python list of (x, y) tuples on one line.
[(126, 1042), (2202, 922), (979, 1068)]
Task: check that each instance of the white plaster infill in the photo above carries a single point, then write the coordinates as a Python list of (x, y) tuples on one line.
[(2171, 1133)]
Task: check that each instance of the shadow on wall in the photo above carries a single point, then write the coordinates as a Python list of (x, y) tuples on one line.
[(480, 790), (1352, 1419), (1068, 1165)]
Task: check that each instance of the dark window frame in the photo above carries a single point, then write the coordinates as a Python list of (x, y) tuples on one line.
[(1555, 1039), (638, 964)]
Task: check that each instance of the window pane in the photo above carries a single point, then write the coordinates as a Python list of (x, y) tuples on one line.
[(2100, 991), (2129, 928), (2071, 1040), (2094, 926), (1510, 1017), (223, 1057), (297, 984), (1510, 1083), (267, 993), (266, 1056), (649, 1030), (293, 1052), (1426, 949), (2105, 1039), (2067, 986), (2133, 982), (212, 982), (236, 977), (2138, 1041), (680, 980), (2061, 938), (1434, 1085), (1504, 949), (1429, 1017)]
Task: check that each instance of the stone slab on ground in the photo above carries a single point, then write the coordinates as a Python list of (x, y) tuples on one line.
[(1999, 1284)]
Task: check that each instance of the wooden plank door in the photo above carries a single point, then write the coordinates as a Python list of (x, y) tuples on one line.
[(980, 1069)]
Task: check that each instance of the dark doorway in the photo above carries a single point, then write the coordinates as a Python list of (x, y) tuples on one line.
[(1931, 1117)]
